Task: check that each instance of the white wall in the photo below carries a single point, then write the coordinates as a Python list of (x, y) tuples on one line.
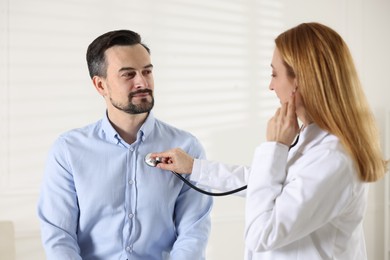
[(212, 71)]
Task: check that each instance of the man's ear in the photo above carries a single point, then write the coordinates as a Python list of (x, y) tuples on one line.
[(99, 85)]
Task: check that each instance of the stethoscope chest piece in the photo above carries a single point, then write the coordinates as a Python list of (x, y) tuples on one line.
[(152, 161)]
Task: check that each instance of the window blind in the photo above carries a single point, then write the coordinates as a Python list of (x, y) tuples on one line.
[(212, 69)]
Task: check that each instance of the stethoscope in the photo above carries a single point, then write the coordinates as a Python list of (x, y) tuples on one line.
[(154, 161)]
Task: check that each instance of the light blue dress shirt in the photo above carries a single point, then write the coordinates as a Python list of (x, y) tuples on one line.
[(99, 200)]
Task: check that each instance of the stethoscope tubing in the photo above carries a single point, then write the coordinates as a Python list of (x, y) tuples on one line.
[(208, 192)]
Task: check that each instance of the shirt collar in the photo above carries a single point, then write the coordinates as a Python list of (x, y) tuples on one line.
[(112, 135), (147, 127)]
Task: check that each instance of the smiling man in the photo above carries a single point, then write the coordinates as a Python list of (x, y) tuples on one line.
[(99, 200)]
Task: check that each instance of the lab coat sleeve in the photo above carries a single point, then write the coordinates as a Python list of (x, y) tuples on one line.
[(219, 176), (280, 212), (192, 219)]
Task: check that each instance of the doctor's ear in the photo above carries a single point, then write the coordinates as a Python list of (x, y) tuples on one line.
[(295, 86)]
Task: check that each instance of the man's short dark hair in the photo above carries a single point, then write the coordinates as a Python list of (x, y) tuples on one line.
[(96, 50)]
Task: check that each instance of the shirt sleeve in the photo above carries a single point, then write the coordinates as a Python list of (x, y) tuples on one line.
[(57, 207), (280, 211), (220, 176), (192, 219)]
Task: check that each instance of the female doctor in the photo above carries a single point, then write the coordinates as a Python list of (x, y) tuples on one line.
[(306, 202)]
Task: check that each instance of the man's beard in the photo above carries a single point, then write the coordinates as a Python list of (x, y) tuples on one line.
[(143, 107)]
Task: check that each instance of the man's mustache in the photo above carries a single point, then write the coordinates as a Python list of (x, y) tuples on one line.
[(141, 91)]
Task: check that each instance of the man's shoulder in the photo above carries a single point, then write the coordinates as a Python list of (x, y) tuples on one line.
[(167, 128), (84, 131), (171, 136)]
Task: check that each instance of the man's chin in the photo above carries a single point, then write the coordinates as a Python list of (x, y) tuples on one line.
[(140, 109)]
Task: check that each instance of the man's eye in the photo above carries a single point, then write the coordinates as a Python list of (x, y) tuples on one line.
[(147, 72), (129, 75)]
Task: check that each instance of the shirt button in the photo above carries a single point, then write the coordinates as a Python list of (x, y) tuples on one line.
[(131, 182), (131, 215), (129, 249)]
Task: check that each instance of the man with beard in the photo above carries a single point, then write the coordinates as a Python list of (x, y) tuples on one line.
[(99, 200)]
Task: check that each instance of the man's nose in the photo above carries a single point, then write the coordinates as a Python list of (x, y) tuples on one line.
[(140, 81)]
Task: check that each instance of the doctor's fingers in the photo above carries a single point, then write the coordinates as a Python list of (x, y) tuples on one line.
[(178, 166), (291, 106), (163, 155), (272, 122), (276, 117), (286, 117), (280, 116), (291, 114), (175, 160), (284, 108), (168, 155)]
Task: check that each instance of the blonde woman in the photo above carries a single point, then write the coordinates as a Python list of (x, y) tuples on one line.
[(306, 202)]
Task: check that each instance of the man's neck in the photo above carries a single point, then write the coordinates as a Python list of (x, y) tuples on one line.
[(127, 125)]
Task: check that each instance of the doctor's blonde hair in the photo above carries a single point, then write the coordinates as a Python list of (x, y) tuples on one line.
[(320, 61)]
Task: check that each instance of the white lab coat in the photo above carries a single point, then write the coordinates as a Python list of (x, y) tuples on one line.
[(304, 204)]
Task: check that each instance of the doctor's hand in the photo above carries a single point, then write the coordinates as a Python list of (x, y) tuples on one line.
[(283, 126), (175, 160)]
